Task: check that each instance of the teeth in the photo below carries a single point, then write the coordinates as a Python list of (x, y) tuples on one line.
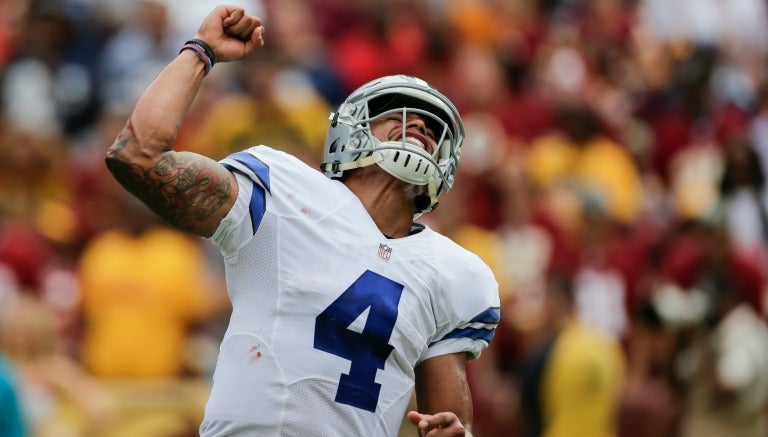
[(415, 142)]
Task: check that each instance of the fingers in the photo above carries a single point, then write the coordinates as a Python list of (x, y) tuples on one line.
[(231, 33), (445, 421), (258, 36), (241, 26), (234, 15), (438, 420), (414, 417)]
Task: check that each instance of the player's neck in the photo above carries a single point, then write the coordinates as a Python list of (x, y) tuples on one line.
[(386, 199)]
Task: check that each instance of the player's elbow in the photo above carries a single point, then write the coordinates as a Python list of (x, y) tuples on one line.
[(128, 158), (135, 150)]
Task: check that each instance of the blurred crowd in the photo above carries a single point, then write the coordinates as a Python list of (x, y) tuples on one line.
[(613, 177)]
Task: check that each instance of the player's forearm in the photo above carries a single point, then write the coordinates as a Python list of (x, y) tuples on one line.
[(161, 109), (154, 124)]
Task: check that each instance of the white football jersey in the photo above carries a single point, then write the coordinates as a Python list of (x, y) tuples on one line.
[(330, 317)]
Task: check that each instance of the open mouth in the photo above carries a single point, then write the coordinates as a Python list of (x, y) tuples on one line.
[(413, 138)]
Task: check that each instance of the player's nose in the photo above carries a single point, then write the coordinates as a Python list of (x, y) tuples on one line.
[(417, 123)]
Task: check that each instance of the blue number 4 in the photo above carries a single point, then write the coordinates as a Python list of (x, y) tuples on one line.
[(367, 350)]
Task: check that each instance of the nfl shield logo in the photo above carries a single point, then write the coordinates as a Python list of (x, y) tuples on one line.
[(384, 251)]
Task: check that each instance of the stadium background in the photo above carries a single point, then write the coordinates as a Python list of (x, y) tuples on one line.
[(622, 143)]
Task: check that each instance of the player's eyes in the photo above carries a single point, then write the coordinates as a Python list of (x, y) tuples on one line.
[(431, 127)]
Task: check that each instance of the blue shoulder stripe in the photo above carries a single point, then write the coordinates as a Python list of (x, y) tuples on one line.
[(258, 203), (257, 206), (257, 166)]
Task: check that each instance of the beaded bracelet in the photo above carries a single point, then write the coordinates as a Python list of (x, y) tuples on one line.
[(203, 51)]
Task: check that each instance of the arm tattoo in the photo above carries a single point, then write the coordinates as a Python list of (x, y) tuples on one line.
[(183, 189)]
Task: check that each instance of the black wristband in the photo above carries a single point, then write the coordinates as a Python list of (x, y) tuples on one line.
[(200, 54), (206, 48)]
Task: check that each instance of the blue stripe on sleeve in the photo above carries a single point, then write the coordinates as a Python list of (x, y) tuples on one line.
[(258, 167), (258, 203), (257, 206), (491, 315), (472, 333)]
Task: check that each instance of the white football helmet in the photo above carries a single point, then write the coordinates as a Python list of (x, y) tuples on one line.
[(350, 143)]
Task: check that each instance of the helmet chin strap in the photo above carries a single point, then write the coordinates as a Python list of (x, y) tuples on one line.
[(374, 158), (426, 202), (432, 190)]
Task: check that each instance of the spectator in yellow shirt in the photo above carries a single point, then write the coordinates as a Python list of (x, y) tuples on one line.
[(586, 163), (141, 295), (572, 385)]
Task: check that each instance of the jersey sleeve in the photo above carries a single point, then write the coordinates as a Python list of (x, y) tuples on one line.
[(467, 308), (269, 182)]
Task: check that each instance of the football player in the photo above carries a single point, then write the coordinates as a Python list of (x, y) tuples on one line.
[(342, 304)]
